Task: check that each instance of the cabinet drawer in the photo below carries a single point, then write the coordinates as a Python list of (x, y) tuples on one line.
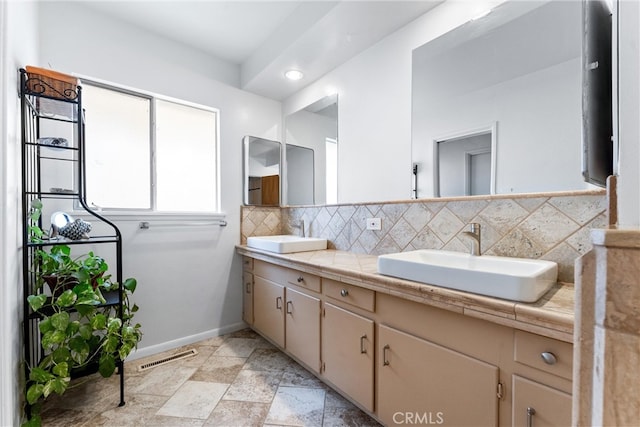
[(546, 354), (247, 263), (354, 295), (305, 280), (284, 276)]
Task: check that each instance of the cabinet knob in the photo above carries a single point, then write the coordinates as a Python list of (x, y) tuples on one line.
[(548, 357), (344, 292), (300, 279)]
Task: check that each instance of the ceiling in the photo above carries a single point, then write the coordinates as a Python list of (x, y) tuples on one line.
[(266, 38), (505, 45)]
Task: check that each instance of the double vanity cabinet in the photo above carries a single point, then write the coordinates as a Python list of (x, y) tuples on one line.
[(403, 361)]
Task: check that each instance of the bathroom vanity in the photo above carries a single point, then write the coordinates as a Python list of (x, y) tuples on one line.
[(410, 353)]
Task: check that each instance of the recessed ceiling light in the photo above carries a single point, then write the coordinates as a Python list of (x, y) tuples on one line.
[(294, 74)]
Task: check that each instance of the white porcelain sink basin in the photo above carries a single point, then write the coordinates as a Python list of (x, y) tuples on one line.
[(284, 244), (517, 279)]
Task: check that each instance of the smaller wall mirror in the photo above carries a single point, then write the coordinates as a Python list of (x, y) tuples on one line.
[(313, 134), (262, 171)]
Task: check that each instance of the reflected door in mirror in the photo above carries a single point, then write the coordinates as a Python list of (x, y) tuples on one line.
[(262, 170)]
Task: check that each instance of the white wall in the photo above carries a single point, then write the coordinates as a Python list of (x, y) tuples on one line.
[(629, 108), (374, 89), (18, 47), (189, 277)]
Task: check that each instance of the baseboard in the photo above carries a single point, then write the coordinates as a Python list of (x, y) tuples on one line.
[(168, 345)]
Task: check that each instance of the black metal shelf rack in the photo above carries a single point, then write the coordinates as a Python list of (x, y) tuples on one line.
[(41, 101)]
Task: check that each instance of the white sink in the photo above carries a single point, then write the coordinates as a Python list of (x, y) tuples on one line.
[(517, 279), (284, 244)]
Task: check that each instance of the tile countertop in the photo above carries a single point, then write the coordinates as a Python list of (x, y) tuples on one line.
[(551, 316)]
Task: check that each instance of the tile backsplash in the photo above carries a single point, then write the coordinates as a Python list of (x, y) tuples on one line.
[(552, 226)]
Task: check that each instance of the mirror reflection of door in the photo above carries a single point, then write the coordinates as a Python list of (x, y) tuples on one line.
[(479, 172), (261, 171), (464, 165)]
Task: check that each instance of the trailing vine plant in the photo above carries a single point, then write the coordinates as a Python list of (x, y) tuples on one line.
[(78, 330)]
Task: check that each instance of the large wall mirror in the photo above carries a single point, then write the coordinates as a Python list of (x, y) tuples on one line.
[(311, 138), (516, 73), (262, 171)]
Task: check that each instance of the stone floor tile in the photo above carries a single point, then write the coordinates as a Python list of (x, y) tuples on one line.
[(60, 417), (182, 388), (162, 380), (342, 417), (263, 359), (297, 406), (238, 414), (138, 411), (335, 400), (254, 386), (92, 392), (195, 399), (297, 376), (243, 333), (236, 347), (219, 369)]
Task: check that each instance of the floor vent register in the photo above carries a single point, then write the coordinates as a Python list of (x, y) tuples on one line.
[(168, 359)]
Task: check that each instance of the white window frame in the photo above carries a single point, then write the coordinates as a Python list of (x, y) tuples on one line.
[(152, 212)]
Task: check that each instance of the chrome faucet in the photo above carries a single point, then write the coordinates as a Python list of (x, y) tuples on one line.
[(474, 234), (301, 227)]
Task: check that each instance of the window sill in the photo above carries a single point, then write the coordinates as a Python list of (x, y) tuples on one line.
[(165, 218)]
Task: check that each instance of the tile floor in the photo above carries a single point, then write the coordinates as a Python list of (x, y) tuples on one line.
[(235, 380)]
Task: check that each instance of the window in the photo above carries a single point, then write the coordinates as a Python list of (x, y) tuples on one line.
[(332, 170), (144, 152)]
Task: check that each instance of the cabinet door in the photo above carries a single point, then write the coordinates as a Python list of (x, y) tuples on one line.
[(303, 328), (268, 309), (422, 381), (537, 405), (247, 297), (347, 353)]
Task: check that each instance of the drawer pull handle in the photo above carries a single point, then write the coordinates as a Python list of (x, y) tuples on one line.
[(344, 292), (548, 357), (530, 413), (385, 361), (278, 303), (289, 307), (362, 349), (248, 287), (300, 279)]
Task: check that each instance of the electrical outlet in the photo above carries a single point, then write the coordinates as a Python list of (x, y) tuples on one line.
[(374, 224)]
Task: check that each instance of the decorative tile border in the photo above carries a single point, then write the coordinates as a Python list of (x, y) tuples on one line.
[(552, 226)]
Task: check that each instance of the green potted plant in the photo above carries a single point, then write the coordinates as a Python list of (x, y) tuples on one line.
[(62, 272), (78, 329)]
